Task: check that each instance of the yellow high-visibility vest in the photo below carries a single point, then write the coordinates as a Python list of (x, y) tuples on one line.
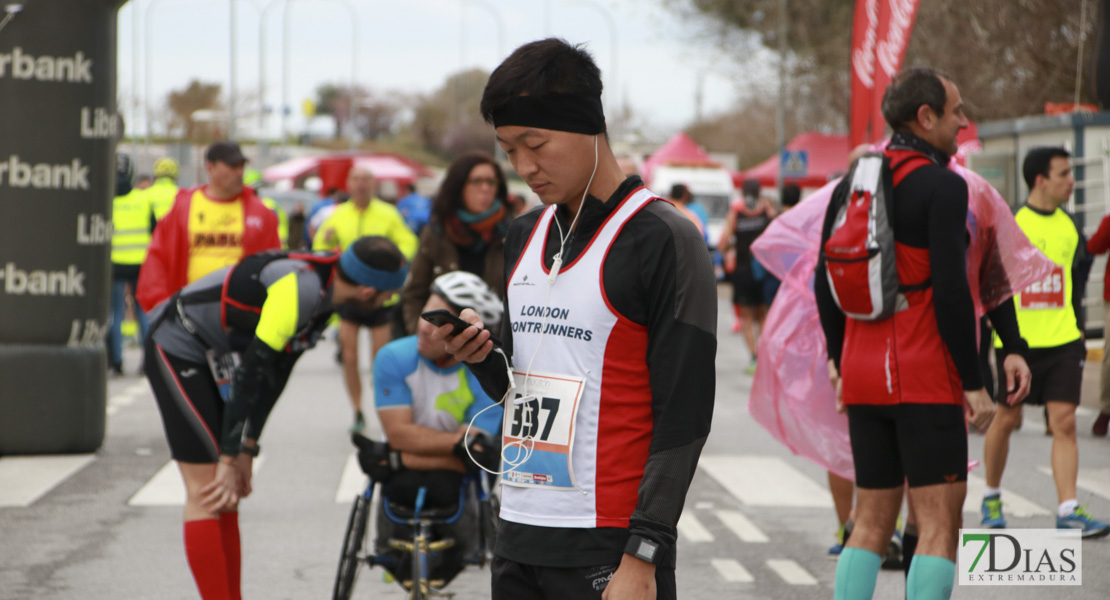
[(161, 195), (131, 227), (1046, 316), (283, 220)]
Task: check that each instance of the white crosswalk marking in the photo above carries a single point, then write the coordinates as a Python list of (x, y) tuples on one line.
[(692, 530), (117, 402), (765, 481), (166, 488), (732, 570), (352, 482), (1013, 504), (1096, 481), (791, 572), (741, 526), (27, 478)]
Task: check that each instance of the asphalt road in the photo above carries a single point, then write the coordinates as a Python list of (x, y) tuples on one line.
[(757, 523)]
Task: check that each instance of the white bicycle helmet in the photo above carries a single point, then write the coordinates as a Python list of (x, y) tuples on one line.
[(466, 290)]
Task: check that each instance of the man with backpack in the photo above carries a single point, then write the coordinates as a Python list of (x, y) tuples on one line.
[(908, 357)]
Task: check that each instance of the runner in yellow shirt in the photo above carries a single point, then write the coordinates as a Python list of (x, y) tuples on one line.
[(363, 215)]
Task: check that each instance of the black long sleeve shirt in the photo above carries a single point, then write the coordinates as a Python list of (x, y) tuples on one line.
[(657, 273)]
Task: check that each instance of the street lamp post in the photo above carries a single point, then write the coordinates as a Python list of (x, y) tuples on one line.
[(608, 17), (285, 68), (146, 83), (780, 110), (262, 74), (233, 79), (497, 18)]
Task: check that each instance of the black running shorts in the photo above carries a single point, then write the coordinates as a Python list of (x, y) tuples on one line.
[(1057, 374), (924, 444), (374, 317), (746, 291), (190, 403), (513, 581)]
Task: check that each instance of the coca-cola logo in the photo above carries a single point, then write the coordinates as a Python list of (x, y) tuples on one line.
[(893, 47), (863, 57)]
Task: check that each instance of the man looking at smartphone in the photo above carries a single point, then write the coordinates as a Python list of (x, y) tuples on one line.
[(609, 330)]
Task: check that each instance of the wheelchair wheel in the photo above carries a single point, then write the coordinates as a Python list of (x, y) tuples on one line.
[(353, 543)]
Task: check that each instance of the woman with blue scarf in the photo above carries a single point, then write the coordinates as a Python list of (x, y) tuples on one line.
[(466, 232)]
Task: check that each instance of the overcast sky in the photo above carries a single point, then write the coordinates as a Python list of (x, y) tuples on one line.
[(412, 46)]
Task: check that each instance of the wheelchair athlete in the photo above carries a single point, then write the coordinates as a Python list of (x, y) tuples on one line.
[(425, 401)]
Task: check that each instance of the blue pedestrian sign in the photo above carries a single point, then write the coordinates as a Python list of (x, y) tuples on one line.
[(795, 163)]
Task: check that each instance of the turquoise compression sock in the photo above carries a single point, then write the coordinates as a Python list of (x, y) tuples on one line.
[(931, 578), (856, 572)]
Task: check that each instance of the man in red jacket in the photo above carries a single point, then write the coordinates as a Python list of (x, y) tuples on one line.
[(1099, 243), (209, 227)]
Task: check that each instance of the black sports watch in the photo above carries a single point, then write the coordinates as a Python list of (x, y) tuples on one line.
[(644, 549), (250, 450)]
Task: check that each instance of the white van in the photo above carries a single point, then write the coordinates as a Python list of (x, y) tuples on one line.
[(710, 186)]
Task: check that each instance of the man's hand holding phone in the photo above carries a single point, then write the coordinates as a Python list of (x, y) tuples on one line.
[(472, 344)]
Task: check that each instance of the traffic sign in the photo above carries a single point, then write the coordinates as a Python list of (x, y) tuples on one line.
[(794, 163)]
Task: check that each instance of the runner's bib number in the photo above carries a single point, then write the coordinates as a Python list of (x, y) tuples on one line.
[(1046, 293), (223, 369), (541, 417)]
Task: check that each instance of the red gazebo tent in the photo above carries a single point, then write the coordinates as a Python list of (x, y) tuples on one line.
[(827, 157), (332, 169), (680, 150)]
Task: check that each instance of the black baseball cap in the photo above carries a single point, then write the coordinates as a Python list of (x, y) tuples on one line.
[(225, 152)]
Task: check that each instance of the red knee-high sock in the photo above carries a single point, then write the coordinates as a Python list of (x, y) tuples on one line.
[(205, 553), (229, 533), (736, 311)]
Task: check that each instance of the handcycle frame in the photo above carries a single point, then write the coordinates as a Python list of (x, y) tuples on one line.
[(419, 548)]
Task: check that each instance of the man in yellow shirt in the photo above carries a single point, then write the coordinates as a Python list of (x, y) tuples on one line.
[(363, 215), (1051, 320), (209, 227)]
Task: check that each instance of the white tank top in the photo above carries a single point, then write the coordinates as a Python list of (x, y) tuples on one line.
[(585, 408)]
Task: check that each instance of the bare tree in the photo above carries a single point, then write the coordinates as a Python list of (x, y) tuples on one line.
[(447, 121), (196, 96), (1008, 56)]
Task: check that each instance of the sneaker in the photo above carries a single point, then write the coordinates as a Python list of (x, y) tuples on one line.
[(751, 368), (992, 513), (1081, 519), (893, 558), (359, 425), (736, 326), (1100, 426), (838, 547)]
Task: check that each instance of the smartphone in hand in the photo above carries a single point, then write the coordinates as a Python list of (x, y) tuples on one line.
[(441, 317)]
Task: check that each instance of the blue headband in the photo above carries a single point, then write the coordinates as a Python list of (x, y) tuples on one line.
[(365, 275)]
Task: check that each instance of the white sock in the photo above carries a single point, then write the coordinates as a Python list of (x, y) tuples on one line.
[(988, 492), (1067, 507)]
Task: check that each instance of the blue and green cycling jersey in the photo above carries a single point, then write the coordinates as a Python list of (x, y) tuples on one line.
[(441, 398)]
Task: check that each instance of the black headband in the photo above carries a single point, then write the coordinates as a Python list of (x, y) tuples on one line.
[(576, 113)]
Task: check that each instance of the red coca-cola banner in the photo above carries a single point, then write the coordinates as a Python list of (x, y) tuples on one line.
[(865, 31), (880, 33)]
